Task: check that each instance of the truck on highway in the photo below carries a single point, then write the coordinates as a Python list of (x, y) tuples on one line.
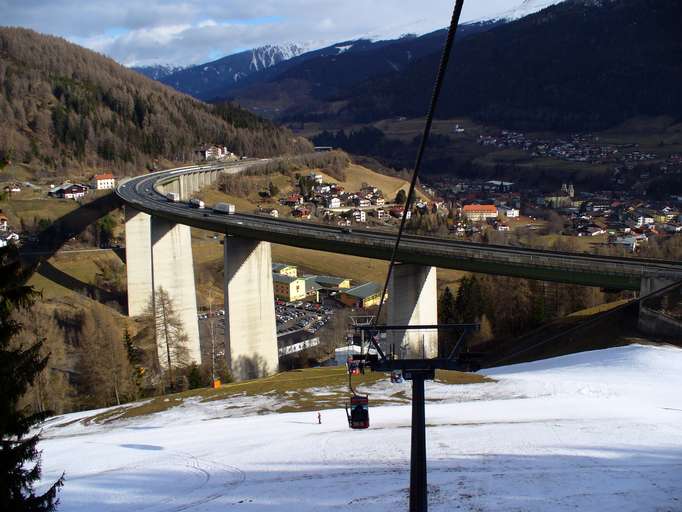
[(226, 208), (173, 197), (196, 203)]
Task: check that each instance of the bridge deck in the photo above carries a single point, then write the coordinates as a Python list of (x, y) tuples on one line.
[(608, 272)]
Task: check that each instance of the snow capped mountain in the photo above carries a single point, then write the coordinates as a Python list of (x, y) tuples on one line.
[(224, 73), (158, 71), (267, 56), (526, 8)]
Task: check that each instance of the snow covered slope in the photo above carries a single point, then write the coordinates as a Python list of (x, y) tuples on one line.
[(227, 71), (597, 431), (526, 8)]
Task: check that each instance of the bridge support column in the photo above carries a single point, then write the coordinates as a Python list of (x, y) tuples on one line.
[(651, 284), (250, 328), (173, 270), (413, 300), (138, 260)]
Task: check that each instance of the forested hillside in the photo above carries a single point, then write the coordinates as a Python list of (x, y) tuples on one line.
[(578, 65), (62, 105)]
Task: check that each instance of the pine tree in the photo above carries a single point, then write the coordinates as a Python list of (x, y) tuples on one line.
[(171, 337), (18, 370)]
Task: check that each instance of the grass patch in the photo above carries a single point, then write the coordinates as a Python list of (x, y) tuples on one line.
[(17, 208), (311, 389)]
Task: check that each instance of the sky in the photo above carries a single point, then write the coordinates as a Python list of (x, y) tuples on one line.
[(183, 32)]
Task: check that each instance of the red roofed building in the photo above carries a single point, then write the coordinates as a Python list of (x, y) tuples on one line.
[(478, 212), (103, 181)]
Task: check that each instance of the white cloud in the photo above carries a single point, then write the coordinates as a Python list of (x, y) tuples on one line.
[(188, 31)]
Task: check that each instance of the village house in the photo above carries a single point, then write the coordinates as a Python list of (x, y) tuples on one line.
[(333, 283), (380, 213), (397, 212), (317, 178), (359, 215), (284, 269), (301, 213), (292, 200), (212, 152), (12, 188), (363, 296), (104, 181), (479, 212), (378, 201), (510, 213), (289, 288), (362, 202), (4, 222), (69, 191), (332, 202)]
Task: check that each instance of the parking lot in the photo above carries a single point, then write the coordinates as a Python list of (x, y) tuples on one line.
[(297, 316), (290, 316)]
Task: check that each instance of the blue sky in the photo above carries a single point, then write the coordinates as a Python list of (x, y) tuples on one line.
[(182, 32)]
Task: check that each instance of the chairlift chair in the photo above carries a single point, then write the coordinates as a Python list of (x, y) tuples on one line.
[(357, 411), (353, 367)]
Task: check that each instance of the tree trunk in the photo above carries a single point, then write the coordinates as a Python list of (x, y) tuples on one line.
[(165, 329)]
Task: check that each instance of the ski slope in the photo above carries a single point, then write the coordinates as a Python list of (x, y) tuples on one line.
[(596, 431)]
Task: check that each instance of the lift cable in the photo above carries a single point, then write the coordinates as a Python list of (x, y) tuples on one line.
[(440, 78)]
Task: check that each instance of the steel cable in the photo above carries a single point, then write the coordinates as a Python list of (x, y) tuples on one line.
[(440, 78)]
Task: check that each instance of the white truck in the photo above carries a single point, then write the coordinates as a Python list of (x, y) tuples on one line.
[(196, 203), (226, 208), (173, 197)]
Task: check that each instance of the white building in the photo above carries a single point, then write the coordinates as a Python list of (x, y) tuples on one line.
[(359, 216), (210, 152), (479, 212), (103, 181), (333, 202), (510, 213)]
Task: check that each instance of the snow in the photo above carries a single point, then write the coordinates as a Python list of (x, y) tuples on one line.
[(524, 9), (343, 49), (596, 431)]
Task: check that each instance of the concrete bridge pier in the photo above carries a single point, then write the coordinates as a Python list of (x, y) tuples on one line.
[(159, 255), (250, 327), (651, 284), (138, 260), (173, 270), (413, 300)]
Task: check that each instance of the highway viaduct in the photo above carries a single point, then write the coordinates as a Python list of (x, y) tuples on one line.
[(159, 255)]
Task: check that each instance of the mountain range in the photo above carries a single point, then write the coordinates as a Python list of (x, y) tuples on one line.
[(548, 64), (205, 80)]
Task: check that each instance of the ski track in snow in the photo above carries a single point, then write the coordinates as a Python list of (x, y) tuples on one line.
[(597, 431)]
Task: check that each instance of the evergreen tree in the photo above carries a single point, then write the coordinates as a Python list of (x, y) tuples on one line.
[(19, 368)]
